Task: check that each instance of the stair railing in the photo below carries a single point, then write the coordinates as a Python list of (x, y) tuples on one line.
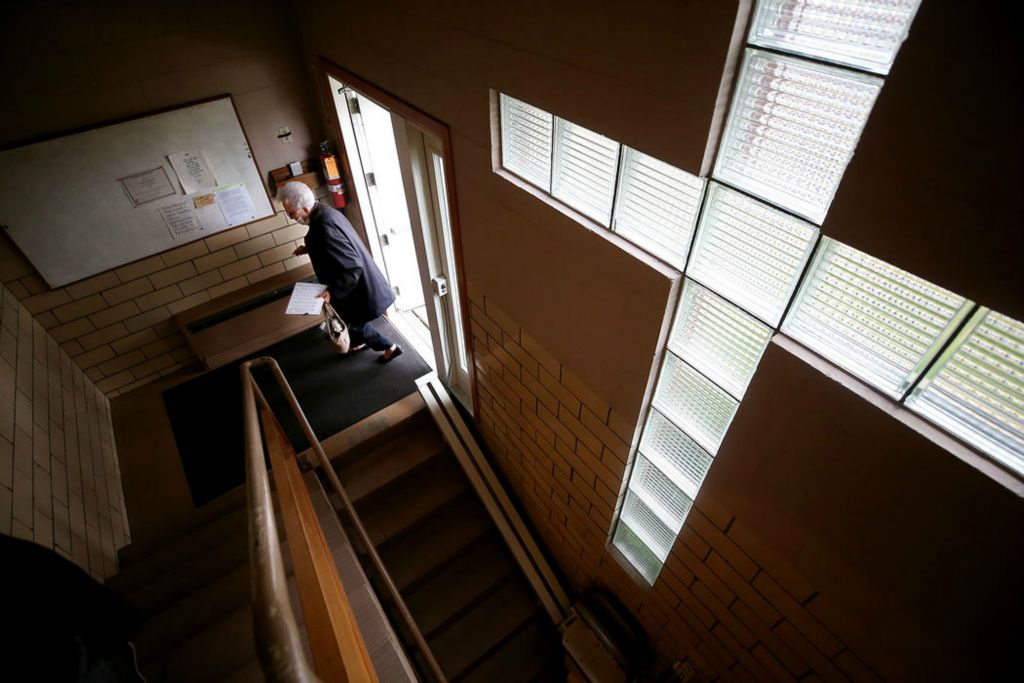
[(339, 653)]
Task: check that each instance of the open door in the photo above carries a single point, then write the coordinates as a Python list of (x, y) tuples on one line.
[(427, 190), (400, 178)]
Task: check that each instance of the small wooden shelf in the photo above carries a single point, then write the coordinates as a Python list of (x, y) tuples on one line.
[(310, 176)]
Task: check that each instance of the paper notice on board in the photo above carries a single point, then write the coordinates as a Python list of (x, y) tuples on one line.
[(148, 185), (236, 204), (180, 219), (193, 171), (306, 299), (204, 200)]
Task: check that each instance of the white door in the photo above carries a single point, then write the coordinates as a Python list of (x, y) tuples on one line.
[(387, 216), (399, 175), (426, 185)]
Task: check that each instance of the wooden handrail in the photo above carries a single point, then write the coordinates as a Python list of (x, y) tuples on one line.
[(339, 653)]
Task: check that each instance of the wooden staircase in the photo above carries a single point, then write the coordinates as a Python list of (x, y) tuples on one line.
[(479, 615), (470, 600)]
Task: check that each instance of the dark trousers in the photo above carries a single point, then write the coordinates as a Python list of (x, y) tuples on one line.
[(366, 334)]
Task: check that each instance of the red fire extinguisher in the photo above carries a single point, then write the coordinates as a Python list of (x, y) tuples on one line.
[(329, 163)]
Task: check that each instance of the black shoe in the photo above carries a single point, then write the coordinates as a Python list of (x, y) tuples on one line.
[(386, 358)]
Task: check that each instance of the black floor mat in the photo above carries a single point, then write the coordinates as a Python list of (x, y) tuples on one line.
[(334, 392)]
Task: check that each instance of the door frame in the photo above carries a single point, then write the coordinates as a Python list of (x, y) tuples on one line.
[(324, 69)]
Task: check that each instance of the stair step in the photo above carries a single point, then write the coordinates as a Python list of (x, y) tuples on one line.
[(250, 672), (434, 602), (387, 423), (418, 494), (531, 654), (470, 638), (204, 517), (388, 462), (172, 585), (437, 538), (210, 655), (178, 552), (195, 612)]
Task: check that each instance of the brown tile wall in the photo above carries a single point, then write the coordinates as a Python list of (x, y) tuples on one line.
[(60, 484), (732, 607), (118, 326)]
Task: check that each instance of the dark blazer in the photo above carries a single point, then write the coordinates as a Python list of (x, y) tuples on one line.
[(359, 291)]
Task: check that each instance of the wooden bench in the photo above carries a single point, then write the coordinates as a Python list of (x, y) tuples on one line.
[(242, 322)]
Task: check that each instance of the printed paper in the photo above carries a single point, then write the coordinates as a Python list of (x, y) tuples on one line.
[(306, 299), (194, 173), (147, 186)]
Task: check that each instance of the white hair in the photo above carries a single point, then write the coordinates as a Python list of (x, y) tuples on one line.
[(297, 195)]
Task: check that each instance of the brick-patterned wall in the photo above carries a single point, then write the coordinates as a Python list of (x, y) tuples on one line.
[(60, 484), (723, 600), (117, 326)]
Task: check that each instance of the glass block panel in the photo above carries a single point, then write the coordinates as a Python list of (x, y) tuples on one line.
[(694, 403), (879, 322), (660, 493), (861, 33), (657, 206), (637, 553), (526, 141), (792, 129), (646, 524), (750, 253), (675, 455), (586, 164), (717, 338), (976, 390)]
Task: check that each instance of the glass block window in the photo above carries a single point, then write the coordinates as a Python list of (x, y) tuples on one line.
[(636, 552), (677, 457), (718, 338), (694, 403), (749, 252), (584, 172), (526, 141), (646, 524), (861, 33), (792, 129), (874, 320), (976, 390), (657, 206)]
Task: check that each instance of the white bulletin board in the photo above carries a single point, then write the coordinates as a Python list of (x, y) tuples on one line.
[(83, 203)]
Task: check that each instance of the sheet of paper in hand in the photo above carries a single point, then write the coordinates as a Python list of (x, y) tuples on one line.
[(306, 299)]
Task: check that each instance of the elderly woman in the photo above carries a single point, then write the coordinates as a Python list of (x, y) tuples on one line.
[(356, 288)]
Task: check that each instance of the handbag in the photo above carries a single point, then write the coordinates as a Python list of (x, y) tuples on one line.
[(335, 330)]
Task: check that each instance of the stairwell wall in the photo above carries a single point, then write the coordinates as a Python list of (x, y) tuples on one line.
[(73, 65), (811, 554), (60, 483)]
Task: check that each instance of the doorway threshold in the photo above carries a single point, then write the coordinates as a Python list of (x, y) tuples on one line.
[(412, 325)]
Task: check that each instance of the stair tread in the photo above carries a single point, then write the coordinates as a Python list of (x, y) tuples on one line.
[(418, 494), (532, 654), (170, 586), (209, 655), (178, 552), (419, 551), (468, 639), (250, 672), (389, 462), (358, 439), (469, 575), (193, 613), (204, 518)]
